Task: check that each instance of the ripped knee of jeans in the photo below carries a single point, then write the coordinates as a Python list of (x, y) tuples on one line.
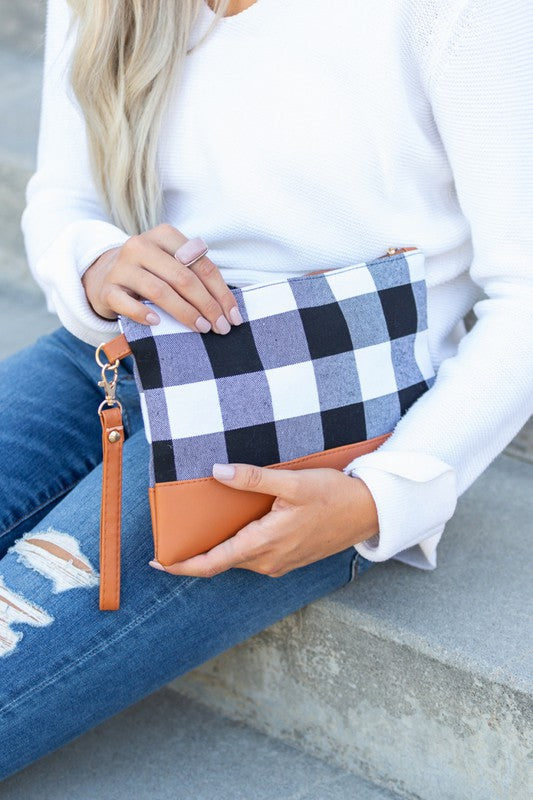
[(56, 556), (15, 609)]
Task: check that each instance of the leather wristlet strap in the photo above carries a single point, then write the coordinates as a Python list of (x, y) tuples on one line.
[(112, 442), (110, 515)]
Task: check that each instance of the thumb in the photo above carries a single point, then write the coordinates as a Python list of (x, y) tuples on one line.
[(249, 477)]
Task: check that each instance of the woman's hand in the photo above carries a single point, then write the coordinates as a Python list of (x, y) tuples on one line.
[(316, 513), (145, 267)]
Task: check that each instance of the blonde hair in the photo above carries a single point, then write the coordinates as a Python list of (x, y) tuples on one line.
[(128, 56)]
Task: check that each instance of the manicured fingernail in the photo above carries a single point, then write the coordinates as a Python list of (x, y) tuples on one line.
[(203, 325), (235, 316), (224, 471), (222, 325), (156, 565), (152, 319)]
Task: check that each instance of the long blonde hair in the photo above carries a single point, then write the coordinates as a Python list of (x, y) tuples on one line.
[(127, 57)]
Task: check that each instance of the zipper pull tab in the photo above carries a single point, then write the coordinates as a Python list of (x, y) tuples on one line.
[(393, 251)]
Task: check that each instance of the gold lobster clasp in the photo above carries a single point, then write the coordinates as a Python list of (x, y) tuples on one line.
[(108, 382)]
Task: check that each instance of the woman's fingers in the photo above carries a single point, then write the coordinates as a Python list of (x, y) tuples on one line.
[(145, 266), (186, 284), (211, 277), (151, 287), (122, 302), (209, 283)]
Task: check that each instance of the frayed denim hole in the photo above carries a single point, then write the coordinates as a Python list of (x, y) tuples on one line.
[(58, 557), (16, 609)]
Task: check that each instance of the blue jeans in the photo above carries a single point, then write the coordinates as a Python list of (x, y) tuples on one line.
[(66, 666)]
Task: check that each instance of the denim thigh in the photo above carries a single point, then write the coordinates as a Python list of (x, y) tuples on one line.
[(50, 435), (69, 665)]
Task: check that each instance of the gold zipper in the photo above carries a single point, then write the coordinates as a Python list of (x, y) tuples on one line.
[(394, 251), (391, 251)]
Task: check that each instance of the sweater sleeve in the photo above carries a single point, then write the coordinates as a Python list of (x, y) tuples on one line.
[(481, 94), (64, 223)]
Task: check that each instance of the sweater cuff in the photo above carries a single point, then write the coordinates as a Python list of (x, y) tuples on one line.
[(59, 271), (415, 495)]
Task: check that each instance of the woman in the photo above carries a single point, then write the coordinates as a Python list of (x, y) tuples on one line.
[(292, 135)]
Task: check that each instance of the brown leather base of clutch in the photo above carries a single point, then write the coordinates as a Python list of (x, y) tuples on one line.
[(190, 517)]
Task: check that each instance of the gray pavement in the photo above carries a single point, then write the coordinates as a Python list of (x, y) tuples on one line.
[(169, 748)]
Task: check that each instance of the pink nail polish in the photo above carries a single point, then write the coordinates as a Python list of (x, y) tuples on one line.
[(235, 316), (203, 325), (224, 471), (152, 318), (222, 325), (157, 565)]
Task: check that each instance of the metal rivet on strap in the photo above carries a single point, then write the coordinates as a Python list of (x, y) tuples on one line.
[(113, 436)]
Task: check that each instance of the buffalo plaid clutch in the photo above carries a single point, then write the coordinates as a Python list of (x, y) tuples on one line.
[(320, 371)]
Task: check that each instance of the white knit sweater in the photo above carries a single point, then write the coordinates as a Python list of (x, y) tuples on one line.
[(308, 134)]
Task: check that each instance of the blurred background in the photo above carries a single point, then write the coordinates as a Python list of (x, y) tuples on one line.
[(23, 313)]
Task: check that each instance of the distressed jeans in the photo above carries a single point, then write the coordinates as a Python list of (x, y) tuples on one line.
[(66, 666)]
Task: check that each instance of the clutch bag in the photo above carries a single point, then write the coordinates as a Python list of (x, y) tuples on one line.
[(320, 371)]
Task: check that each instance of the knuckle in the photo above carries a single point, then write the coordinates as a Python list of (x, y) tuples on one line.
[(109, 294), (277, 569), (210, 571), (271, 569), (165, 229), (211, 308), (228, 300), (183, 278), (133, 244), (205, 268), (253, 477), (155, 290)]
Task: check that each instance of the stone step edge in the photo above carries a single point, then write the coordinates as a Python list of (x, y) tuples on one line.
[(274, 685), (354, 618)]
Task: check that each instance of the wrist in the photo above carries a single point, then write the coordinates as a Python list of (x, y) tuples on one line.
[(363, 513), (92, 280)]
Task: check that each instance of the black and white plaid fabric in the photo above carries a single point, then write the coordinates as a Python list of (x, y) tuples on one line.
[(319, 361)]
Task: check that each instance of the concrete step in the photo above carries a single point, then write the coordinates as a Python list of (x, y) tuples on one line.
[(181, 750), (419, 681)]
